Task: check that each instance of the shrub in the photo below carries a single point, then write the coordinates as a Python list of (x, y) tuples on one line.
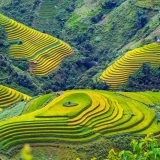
[(146, 149)]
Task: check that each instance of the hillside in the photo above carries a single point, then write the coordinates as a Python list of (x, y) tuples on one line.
[(78, 117), (146, 77), (85, 25), (151, 4), (10, 96), (78, 78), (11, 70), (119, 72), (45, 52)]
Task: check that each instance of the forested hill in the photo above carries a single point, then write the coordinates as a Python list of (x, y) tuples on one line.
[(99, 31)]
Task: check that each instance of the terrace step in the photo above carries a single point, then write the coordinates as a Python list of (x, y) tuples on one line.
[(118, 73)]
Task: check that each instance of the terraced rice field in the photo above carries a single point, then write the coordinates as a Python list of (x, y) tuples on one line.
[(118, 73), (43, 52), (97, 113), (10, 96), (47, 9)]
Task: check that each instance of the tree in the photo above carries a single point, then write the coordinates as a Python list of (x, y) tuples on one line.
[(109, 4), (100, 85), (142, 19)]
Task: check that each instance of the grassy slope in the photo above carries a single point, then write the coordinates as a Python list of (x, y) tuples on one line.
[(37, 103), (14, 77), (4, 2)]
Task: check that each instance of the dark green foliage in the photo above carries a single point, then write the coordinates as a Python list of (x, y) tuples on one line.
[(100, 85), (146, 149), (23, 65), (11, 77), (145, 78), (3, 35), (97, 18), (18, 11), (142, 19), (36, 4), (88, 83), (69, 9), (109, 4), (64, 79)]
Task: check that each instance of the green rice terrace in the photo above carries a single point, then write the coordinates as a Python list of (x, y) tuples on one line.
[(88, 116), (42, 51), (118, 72), (48, 8)]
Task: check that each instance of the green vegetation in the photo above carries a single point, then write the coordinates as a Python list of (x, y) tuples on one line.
[(151, 4), (118, 72), (12, 111), (96, 148), (97, 114), (73, 20), (146, 149), (85, 25), (17, 9), (57, 108), (10, 96), (37, 103), (12, 76), (45, 51), (145, 78)]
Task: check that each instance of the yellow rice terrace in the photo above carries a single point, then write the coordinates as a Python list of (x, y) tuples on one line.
[(118, 72), (43, 52), (79, 116)]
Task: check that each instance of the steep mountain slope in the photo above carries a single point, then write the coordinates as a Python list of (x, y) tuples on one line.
[(98, 31), (15, 78)]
